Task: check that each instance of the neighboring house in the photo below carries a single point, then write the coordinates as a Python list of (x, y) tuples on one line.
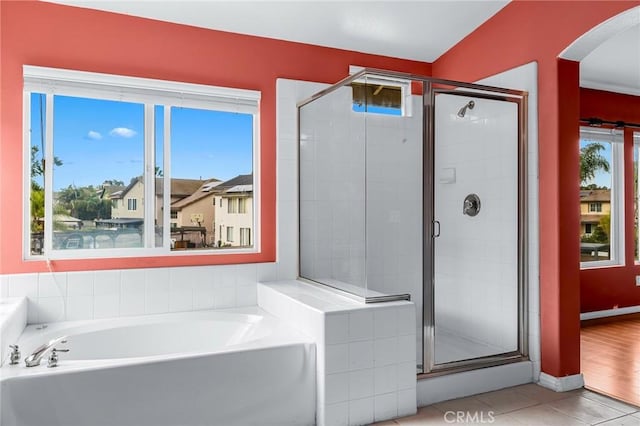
[(197, 210), (234, 212), (129, 202), (594, 205)]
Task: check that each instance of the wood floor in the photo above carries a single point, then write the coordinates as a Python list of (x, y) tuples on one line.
[(610, 357)]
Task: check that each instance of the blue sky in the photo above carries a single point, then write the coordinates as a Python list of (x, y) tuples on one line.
[(98, 140)]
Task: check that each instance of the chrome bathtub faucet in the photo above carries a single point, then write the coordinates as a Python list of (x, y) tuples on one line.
[(53, 357), (36, 356), (14, 356)]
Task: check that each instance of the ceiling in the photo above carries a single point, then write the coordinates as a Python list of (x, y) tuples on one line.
[(419, 29)]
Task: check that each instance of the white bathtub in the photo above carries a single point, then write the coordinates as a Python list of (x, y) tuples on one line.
[(232, 367)]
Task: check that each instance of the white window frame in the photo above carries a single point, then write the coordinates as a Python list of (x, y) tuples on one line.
[(230, 230), (150, 92), (617, 237)]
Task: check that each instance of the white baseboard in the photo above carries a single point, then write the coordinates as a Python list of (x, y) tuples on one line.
[(610, 312), (561, 384)]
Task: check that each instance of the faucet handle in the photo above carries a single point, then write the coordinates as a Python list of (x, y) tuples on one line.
[(14, 356), (53, 357)]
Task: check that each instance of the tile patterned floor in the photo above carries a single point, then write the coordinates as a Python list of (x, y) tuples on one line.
[(526, 405)]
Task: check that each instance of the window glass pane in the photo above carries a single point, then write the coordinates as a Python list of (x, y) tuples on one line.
[(596, 201), (37, 145), (98, 147), (211, 158)]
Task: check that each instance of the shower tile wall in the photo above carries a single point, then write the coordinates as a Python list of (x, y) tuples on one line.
[(476, 261), (361, 198)]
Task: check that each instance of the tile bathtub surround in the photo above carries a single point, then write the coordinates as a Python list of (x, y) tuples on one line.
[(13, 319), (365, 353), (61, 296)]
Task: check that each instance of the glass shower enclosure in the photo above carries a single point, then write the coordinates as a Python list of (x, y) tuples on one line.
[(413, 188)]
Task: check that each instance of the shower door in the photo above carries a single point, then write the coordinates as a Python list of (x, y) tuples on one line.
[(477, 247)]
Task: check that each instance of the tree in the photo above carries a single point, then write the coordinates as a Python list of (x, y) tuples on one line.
[(591, 161)]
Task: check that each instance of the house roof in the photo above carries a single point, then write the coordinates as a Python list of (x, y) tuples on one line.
[(236, 181), (591, 218), (180, 188), (595, 195), (207, 188)]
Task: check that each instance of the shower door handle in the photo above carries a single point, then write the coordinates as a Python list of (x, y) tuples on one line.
[(436, 228)]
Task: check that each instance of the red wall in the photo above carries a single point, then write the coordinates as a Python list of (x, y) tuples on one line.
[(613, 287), (51, 35), (522, 32)]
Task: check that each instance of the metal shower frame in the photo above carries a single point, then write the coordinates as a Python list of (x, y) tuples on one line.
[(430, 88)]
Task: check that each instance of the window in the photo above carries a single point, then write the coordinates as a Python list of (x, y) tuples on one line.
[(381, 95), (595, 207), (245, 237), (242, 205), (123, 151), (601, 197), (232, 205), (230, 234)]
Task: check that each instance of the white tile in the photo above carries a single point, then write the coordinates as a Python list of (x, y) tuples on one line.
[(337, 358), (407, 402), (406, 349), (106, 306), (132, 280), (157, 279), (132, 302), (361, 383), (23, 285), (406, 319), (224, 297), (79, 283), (180, 296), (385, 322), (4, 286), (52, 284), (106, 282), (50, 309), (336, 328), (32, 310), (385, 351), (385, 379), (225, 276), (361, 325), (385, 407), (361, 411), (203, 295), (336, 414), (336, 388), (247, 295), (246, 274), (267, 272), (79, 308), (407, 377), (360, 355), (156, 302)]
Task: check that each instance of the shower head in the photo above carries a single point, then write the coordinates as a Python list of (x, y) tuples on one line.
[(463, 110)]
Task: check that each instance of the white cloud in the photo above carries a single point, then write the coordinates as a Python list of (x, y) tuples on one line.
[(123, 132), (94, 135)]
